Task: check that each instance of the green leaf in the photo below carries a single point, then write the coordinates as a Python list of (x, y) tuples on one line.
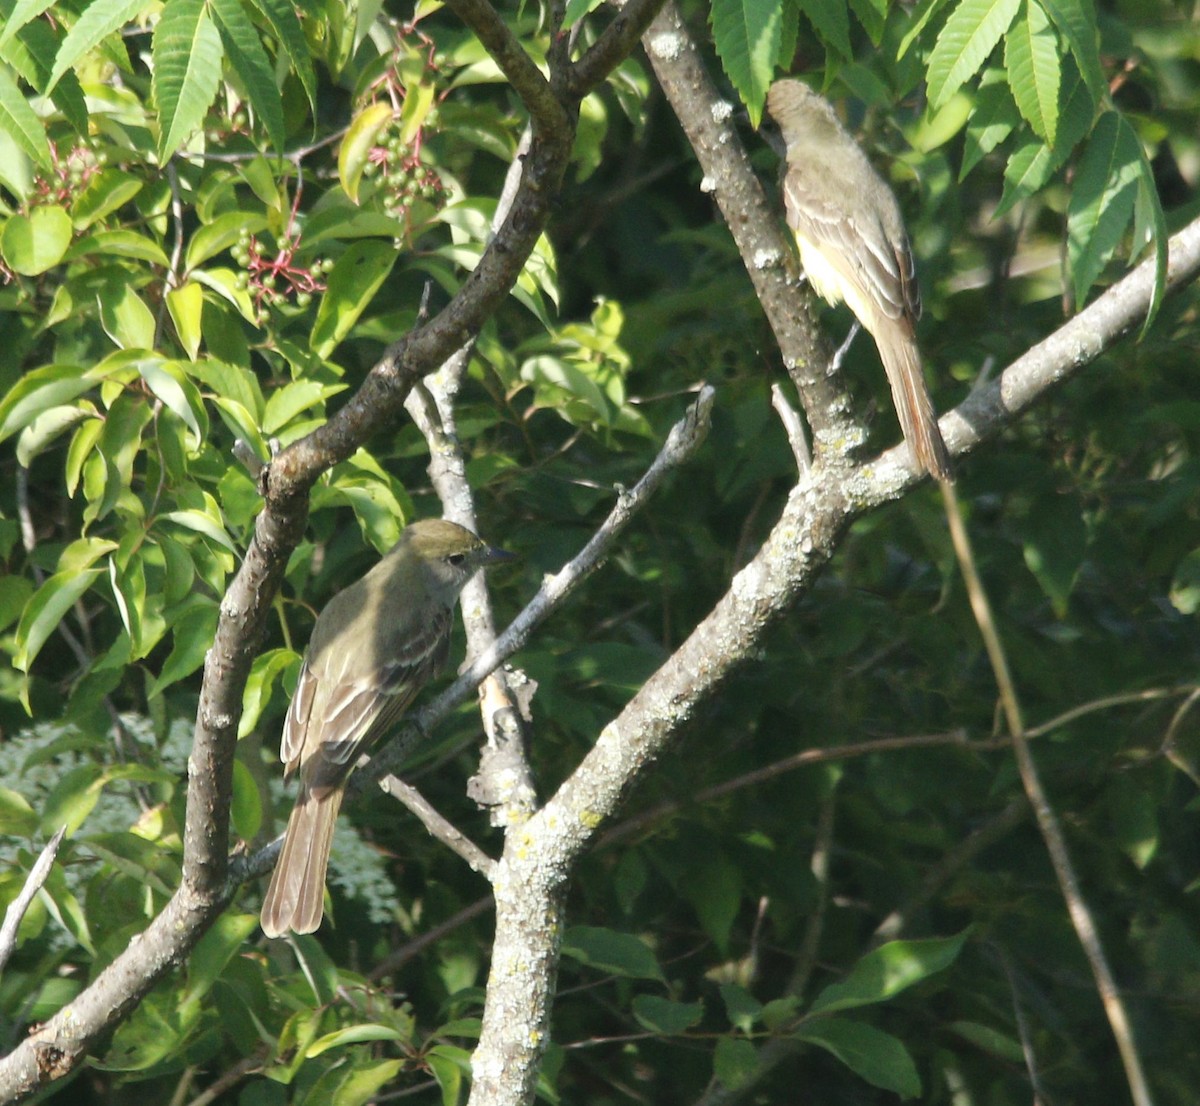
[(663, 1016), (832, 22), (44, 430), (191, 636), (1150, 228), (608, 951), (39, 391), (734, 1062), (72, 799), (741, 1007), (33, 243), (926, 11), (1076, 22), (1034, 74), (888, 970), (118, 243), (17, 817), (747, 34), (1055, 544), (19, 121), (23, 12), (871, 1054), (1102, 200), (46, 610), (354, 280), (225, 230), (965, 43), (246, 807), (872, 14), (993, 120), (103, 194), (265, 673), (97, 22), (450, 1066), (249, 61), (353, 1035), (292, 399), (169, 383), (187, 71), (125, 317), (207, 961), (576, 10), (990, 1040), (185, 305), (1033, 162), (365, 1080), (201, 523), (358, 142), (281, 16)]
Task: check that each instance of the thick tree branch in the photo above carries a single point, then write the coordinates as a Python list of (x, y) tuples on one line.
[(63, 1040), (756, 226), (614, 44)]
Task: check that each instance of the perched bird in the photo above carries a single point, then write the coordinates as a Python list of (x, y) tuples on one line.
[(374, 646), (854, 248)]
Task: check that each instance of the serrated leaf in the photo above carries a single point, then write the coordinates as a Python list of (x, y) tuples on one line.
[(355, 278), (1033, 162), (33, 243), (281, 16), (23, 12), (358, 142), (97, 22), (871, 1054), (993, 120), (872, 14), (1034, 74), (187, 57), (747, 34), (831, 18), (249, 61), (965, 43), (46, 609), (888, 970), (927, 10), (1102, 200), (1076, 21), (608, 951)]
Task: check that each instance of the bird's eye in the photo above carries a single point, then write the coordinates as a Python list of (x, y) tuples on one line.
[(456, 559)]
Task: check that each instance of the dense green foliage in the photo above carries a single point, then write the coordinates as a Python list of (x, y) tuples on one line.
[(223, 249)]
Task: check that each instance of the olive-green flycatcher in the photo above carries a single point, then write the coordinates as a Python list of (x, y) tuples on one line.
[(854, 247), (374, 646)]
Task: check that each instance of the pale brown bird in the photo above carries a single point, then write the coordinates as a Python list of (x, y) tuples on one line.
[(853, 247), (373, 647)]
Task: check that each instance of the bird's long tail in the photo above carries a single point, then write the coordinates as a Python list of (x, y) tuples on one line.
[(295, 899), (902, 362)]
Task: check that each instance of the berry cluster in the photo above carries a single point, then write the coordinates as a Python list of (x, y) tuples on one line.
[(403, 177), (276, 280), (68, 173)]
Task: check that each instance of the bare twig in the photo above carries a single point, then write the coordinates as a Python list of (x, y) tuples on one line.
[(794, 428), (439, 826), (37, 877), (1047, 820)]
